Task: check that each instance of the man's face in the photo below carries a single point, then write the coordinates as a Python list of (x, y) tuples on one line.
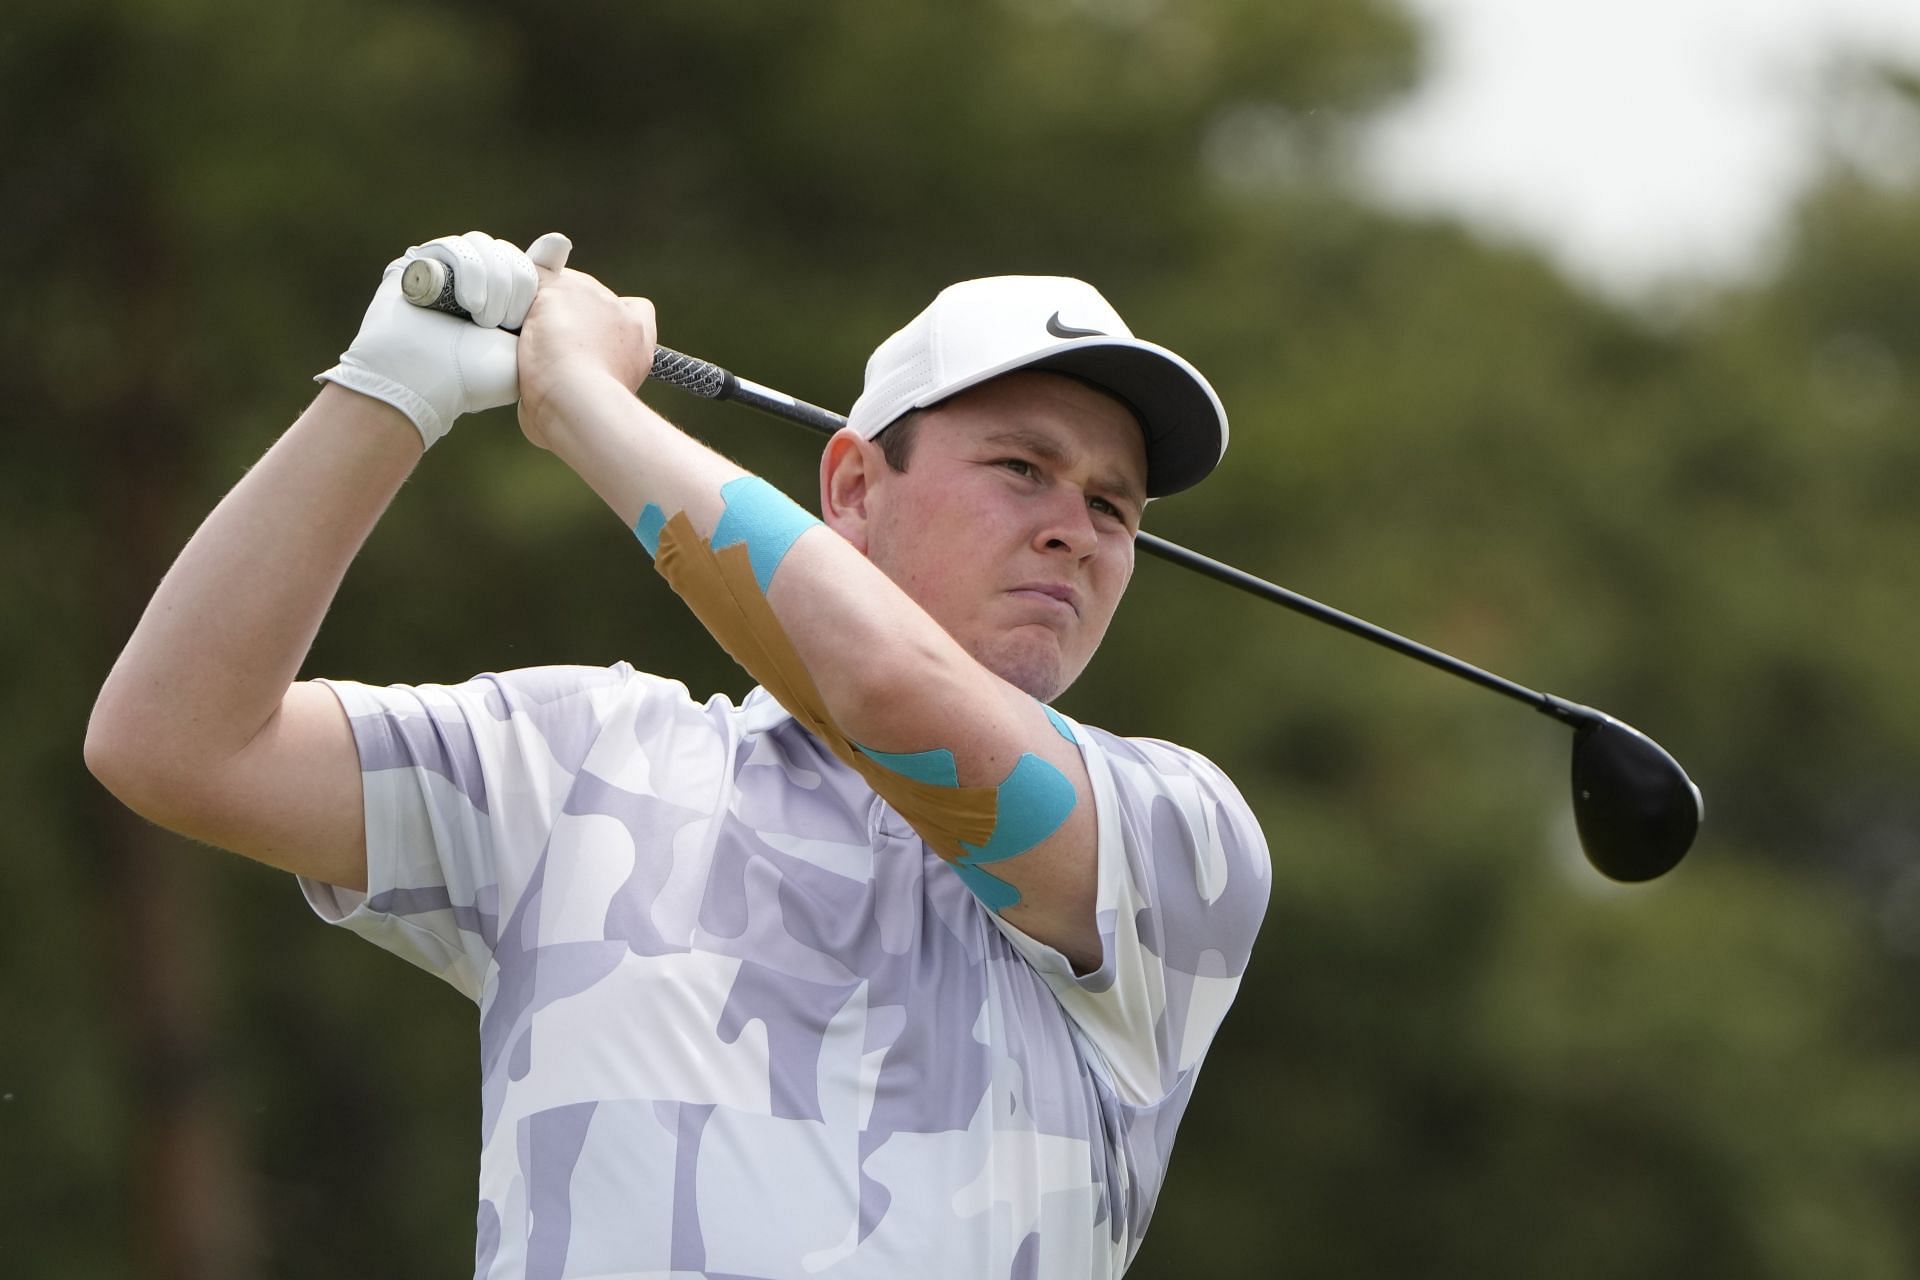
[(1013, 523)]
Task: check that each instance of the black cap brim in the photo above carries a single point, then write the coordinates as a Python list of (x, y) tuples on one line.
[(1179, 413)]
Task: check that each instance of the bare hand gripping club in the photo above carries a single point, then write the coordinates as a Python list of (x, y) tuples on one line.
[(1635, 808)]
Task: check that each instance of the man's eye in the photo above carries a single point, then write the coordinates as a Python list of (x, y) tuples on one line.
[(1020, 466)]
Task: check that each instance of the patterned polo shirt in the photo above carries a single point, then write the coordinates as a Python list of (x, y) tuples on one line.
[(736, 1019)]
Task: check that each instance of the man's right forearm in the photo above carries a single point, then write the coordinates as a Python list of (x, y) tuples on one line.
[(230, 624)]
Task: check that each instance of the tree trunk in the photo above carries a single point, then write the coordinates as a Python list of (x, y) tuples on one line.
[(193, 1209)]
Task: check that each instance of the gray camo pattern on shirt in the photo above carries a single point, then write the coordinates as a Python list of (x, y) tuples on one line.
[(737, 1020)]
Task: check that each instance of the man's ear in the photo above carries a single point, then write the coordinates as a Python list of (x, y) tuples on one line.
[(848, 469)]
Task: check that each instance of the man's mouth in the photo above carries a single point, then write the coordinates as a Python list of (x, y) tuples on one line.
[(1058, 592)]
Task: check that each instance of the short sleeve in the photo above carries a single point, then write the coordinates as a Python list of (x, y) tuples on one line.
[(463, 785), (1184, 878)]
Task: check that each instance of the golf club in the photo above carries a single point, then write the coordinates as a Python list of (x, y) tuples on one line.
[(1634, 807)]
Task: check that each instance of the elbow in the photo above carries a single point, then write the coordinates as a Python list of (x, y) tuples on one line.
[(112, 754), (122, 759), (105, 749)]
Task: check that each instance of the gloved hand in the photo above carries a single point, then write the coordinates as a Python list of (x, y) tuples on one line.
[(431, 366)]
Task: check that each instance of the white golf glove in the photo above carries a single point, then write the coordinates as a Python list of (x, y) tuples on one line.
[(432, 366)]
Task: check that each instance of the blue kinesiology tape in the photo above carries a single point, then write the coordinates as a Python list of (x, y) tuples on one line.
[(647, 528), (764, 518), (1030, 806), (996, 893), (936, 767), (758, 514), (1059, 722)]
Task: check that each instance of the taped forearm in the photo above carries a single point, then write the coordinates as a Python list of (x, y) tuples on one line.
[(724, 581)]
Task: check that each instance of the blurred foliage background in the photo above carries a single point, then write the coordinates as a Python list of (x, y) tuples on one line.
[(1459, 1052)]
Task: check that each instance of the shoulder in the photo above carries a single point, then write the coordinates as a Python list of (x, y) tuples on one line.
[(1143, 768), (1188, 831), (559, 710), (501, 694)]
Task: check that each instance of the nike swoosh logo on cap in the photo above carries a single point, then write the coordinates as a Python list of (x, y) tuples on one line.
[(1059, 330)]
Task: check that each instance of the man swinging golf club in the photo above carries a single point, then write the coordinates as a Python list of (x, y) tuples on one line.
[(889, 970)]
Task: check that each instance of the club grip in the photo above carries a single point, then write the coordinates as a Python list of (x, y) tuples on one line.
[(428, 282)]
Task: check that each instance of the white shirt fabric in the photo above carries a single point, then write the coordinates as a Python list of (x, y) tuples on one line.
[(736, 1019)]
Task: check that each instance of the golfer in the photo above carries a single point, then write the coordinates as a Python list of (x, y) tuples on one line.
[(890, 970)]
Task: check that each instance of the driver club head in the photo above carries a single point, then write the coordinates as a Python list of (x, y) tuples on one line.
[(1634, 806)]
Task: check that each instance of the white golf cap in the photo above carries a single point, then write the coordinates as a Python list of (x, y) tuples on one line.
[(980, 329)]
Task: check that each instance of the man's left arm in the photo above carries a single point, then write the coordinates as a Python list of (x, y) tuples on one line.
[(986, 774)]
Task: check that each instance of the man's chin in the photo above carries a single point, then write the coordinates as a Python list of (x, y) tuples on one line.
[(1036, 669)]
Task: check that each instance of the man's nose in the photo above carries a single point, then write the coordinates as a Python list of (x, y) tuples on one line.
[(1068, 525)]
